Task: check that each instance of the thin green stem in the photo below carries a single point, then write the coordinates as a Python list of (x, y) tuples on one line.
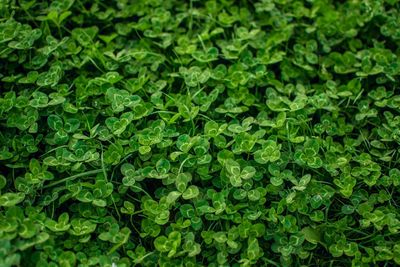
[(73, 177)]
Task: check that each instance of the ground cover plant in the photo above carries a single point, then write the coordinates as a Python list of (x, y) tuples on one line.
[(199, 133)]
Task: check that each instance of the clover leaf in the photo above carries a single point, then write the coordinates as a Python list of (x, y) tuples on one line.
[(199, 133), (269, 152), (309, 154)]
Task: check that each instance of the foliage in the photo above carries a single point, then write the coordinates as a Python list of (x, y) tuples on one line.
[(199, 133)]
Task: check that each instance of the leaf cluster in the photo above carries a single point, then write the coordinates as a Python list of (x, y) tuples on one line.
[(199, 133)]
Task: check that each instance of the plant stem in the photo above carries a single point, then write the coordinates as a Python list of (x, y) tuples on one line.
[(73, 177)]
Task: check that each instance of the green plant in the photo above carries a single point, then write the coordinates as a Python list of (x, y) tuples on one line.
[(199, 133)]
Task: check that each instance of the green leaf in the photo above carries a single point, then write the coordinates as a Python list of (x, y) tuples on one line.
[(270, 152), (3, 181), (191, 192), (311, 235), (162, 244), (163, 166), (55, 122), (11, 199)]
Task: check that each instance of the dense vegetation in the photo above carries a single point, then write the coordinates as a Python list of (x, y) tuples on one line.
[(199, 133)]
